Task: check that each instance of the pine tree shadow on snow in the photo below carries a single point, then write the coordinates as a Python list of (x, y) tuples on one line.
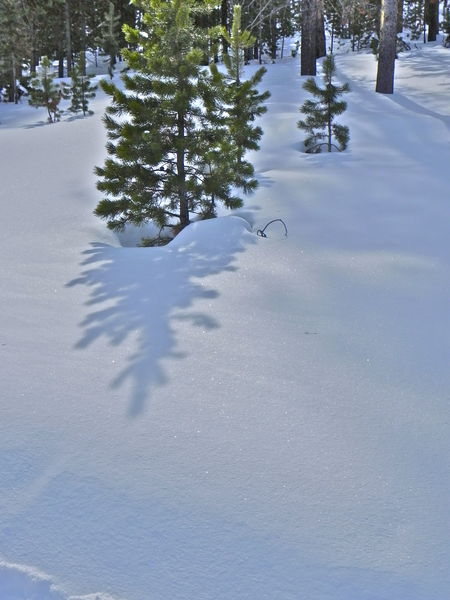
[(134, 293)]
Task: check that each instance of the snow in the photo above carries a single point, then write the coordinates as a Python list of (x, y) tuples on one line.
[(229, 415)]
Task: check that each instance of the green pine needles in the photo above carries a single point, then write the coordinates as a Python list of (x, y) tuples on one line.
[(319, 122), (244, 101), (170, 153), (81, 90)]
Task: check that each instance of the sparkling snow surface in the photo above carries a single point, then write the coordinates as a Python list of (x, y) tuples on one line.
[(231, 417)]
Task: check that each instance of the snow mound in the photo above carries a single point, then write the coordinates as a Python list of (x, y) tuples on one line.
[(19, 582), (218, 235)]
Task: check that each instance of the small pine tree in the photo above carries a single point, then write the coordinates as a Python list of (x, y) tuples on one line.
[(237, 41), (319, 122), (81, 90), (44, 92)]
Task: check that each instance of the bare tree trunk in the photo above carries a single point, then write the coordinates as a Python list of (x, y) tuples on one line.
[(400, 4), (67, 25), (224, 22), (14, 98), (308, 44), (387, 52), (432, 18), (321, 47), (181, 172)]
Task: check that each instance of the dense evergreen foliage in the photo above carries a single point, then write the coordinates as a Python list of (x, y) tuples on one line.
[(172, 151), (81, 90), (61, 29), (243, 100)]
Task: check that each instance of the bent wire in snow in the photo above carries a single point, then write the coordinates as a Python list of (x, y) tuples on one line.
[(261, 233)]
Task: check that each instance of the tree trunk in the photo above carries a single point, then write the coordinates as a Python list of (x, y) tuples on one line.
[(67, 26), (224, 22), (13, 93), (387, 48), (321, 47), (400, 4), (181, 172), (432, 15), (308, 43)]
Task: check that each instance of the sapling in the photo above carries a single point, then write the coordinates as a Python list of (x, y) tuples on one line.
[(319, 122), (44, 92)]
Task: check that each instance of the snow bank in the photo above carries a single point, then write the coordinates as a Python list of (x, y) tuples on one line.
[(222, 234)]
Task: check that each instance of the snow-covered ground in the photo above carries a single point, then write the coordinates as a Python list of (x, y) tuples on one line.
[(233, 417)]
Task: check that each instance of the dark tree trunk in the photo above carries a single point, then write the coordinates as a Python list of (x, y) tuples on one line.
[(34, 61), (68, 35), (273, 38), (432, 19), (308, 43), (13, 87), (181, 172), (61, 66), (400, 15), (321, 47), (224, 22), (387, 48)]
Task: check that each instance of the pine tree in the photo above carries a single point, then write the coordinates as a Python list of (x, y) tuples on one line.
[(44, 92), (81, 90), (157, 168), (237, 41), (319, 122), (244, 102)]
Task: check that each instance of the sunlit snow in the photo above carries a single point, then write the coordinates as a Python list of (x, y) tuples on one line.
[(229, 416)]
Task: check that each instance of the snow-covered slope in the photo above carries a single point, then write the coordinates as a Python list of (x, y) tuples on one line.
[(233, 416)]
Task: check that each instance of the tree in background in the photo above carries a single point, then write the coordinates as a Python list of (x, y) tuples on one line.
[(44, 92), (108, 39), (414, 17), (81, 90), (432, 18), (308, 52), (14, 44), (387, 48), (320, 114)]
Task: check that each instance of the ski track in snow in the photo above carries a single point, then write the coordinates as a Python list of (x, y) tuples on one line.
[(231, 416)]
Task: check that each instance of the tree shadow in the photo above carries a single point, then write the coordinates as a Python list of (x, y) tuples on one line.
[(37, 124), (139, 293), (77, 117), (419, 109)]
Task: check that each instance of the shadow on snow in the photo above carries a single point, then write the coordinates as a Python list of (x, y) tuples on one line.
[(136, 291)]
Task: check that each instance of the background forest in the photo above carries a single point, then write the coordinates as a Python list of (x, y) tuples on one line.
[(62, 29)]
